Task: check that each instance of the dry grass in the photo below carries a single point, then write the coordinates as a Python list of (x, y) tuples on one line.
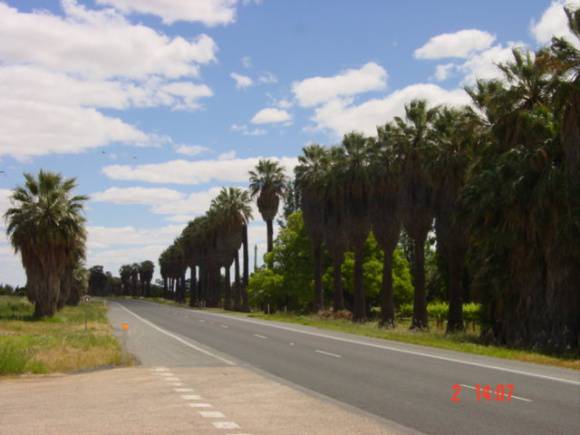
[(59, 344)]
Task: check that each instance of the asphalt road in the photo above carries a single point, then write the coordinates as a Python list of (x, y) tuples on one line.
[(407, 384)]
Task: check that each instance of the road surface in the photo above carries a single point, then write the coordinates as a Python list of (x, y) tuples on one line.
[(407, 384)]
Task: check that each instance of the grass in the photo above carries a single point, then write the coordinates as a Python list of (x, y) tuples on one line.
[(58, 344), (435, 337)]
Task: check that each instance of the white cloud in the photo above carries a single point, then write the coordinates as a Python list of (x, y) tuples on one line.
[(242, 81), (554, 23), (316, 90), (187, 91), (192, 172), (459, 44), (229, 155), (246, 131), (342, 116), (483, 66), (100, 237), (267, 78), (98, 44), (137, 195), (443, 72), (271, 115), (283, 104), (208, 12), (191, 150)]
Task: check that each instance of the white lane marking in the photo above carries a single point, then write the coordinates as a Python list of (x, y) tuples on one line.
[(291, 344), (225, 425), (177, 384), (260, 336), (408, 352), (335, 355), (160, 369), (224, 326), (181, 340), (167, 374), (191, 397), (172, 379), (211, 414), (200, 405), (513, 395), (183, 390)]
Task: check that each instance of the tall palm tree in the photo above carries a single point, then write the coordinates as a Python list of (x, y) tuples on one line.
[(125, 274), (354, 175), (135, 291), (43, 224), (412, 138), (146, 270), (268, 182), (455, 135), (310, 178), (385, 212), (76, 257)]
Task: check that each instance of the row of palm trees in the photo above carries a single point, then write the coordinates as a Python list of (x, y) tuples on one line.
[(46, 226), (136, 278)]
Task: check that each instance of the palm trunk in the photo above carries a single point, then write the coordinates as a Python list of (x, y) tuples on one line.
[(420, 300), (318, 292), (192, 286), (228, 290), (387, 301), (244, 288), (270, 226), (237, 282), (359, 312), (337, 260), (455, 313)]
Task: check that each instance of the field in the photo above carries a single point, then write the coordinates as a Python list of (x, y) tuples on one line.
[(58, 344)]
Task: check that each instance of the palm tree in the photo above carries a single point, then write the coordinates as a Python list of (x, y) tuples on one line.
[(80, 283), (76, 257), (125, 274), (412, 138), (44, 224), (268, 182), (354, 176), (146, 270), (135, 279), (310, 178), (455, 134), (385, 212)]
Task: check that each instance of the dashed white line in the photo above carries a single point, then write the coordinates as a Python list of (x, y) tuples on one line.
[(263, 337), (191, 397), (225, 425), (523, 399), (211, 414), (183, 390), (291, 344), (200, 405), (181, 340), (334, 355)]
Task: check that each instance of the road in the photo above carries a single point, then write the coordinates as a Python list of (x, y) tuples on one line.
[(407, 384)]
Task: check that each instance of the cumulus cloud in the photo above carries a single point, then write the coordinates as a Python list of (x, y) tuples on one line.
[(317, 90), (554, 22), (483, 66), (88, 60), (192, 172), (459, 44), (208, 12), (271, 115), (242, 81), (191, 150), (342, 116), (98, 43)]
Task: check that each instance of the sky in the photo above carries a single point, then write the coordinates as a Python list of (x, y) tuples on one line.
[(153, 105)]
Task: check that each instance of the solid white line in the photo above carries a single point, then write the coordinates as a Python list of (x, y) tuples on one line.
[(335, 355), (211, 414), (181, 340), (513, 395), (226, 425), (191, 397), (260, 336), (200, 405), (408, 352)]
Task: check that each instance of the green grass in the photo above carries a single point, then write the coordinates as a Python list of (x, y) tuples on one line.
[(58, 344), (435, 337)]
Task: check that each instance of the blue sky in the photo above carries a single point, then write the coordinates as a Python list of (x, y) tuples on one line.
[(153, 105)]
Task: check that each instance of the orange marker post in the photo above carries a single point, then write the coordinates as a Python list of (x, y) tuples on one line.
[(125, 326)]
